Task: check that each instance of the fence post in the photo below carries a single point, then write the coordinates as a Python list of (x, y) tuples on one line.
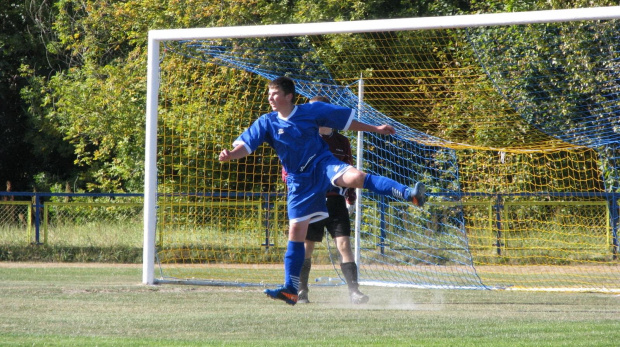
[(613, 207), (267, 207), (498, 222), (382, 223), (37, 218)]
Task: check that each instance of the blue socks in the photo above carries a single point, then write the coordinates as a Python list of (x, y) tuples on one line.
[(293, 261), (385, 186)]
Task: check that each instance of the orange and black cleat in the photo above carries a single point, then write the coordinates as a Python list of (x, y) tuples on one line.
[(282, 293), (417, 194)]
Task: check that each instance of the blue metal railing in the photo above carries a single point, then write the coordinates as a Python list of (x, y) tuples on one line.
[(38, 200)]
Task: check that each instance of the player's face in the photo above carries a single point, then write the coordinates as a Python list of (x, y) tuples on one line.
[(278, 101)]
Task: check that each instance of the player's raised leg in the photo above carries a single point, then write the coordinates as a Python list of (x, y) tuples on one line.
[(354, 178)]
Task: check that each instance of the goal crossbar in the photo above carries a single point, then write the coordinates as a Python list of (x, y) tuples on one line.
[(400, 24)]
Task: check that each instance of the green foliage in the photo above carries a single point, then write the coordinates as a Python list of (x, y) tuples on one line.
[(29, 144), (97, 104), (95, 95), (100, 112)]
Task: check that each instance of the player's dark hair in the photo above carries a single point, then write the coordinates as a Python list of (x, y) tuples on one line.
[(320, 98), (284, 84)]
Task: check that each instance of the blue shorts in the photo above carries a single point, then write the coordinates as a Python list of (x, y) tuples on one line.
[(306, 190)]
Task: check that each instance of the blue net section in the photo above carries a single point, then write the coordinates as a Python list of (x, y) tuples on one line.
[(568, 89)]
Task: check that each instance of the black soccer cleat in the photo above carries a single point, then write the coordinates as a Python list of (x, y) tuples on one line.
[(358, 297), (302, 297)]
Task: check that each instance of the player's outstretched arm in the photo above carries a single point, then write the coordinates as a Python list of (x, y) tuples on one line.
[(384, 129), (236, 153)]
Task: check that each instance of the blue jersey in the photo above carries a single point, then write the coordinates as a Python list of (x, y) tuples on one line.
[(296, 139)]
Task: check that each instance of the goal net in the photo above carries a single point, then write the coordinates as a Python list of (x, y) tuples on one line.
[(511, 120)]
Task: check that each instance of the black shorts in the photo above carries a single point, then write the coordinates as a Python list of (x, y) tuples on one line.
[(337, 224)]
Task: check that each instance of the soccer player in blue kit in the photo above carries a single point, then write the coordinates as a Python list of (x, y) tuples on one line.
[(293, 132), (338, 224)]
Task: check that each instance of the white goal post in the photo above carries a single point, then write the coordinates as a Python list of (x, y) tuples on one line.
[(156, 37)]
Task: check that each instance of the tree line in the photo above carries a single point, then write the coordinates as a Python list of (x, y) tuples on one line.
[(73, 75)]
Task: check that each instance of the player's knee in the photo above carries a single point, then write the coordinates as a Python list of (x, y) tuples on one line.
[(353, 178), (343, 243)]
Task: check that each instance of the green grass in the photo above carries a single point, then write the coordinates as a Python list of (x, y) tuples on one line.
[(105, 305)]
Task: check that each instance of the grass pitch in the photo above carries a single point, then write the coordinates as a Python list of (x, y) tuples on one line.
[(105, 305)]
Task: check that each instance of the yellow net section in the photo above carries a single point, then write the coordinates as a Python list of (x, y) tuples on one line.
[(415, 79)]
